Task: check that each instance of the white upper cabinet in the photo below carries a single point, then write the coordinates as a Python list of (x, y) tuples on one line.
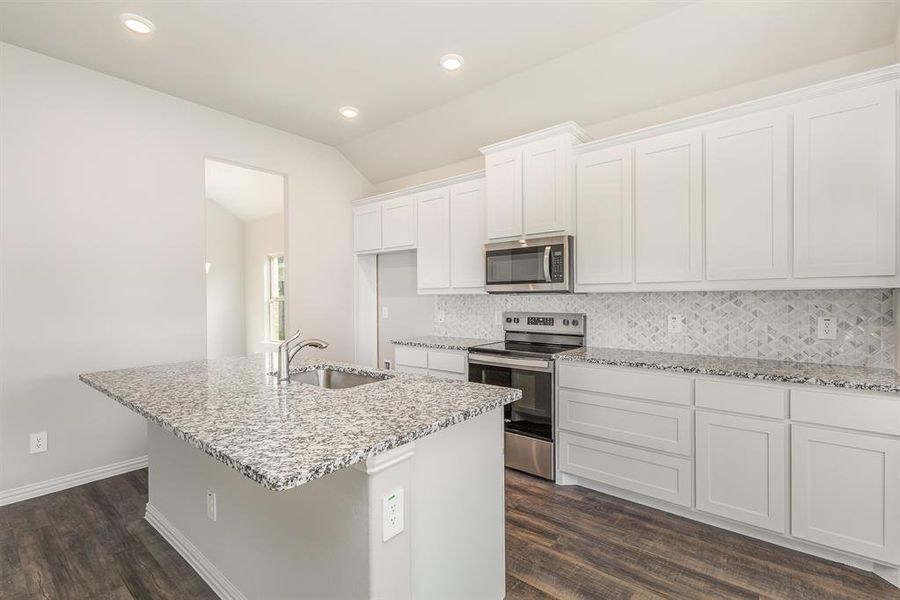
[(668, 208), (845, 184), (467, 234), (604, 207), (433, 260), (398, 223), (545, 188), (504, 192), (747, 198), (367, 228), (530, 183)]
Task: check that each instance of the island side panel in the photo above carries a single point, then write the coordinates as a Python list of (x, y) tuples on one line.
[(307, 542), (458, 521)]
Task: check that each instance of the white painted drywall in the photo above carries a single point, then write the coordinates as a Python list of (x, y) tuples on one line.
[(102, 249), (409, 314), (669, 111), (225, 331), (261, 238)]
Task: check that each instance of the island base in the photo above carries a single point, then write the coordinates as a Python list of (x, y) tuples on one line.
[(324, 539)]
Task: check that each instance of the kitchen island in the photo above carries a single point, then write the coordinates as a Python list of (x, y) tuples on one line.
[(392, 488)]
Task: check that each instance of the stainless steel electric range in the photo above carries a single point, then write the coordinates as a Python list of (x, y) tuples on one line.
[(524, 360)]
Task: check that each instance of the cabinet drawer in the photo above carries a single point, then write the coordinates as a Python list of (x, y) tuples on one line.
[(627, 382), (412, 370), (447, 375), (411, 357), (447, 361), (643, 424), (745, 398), (657, 475), (850, 411)]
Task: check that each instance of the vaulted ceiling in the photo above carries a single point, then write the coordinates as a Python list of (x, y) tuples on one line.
[(291, 65)]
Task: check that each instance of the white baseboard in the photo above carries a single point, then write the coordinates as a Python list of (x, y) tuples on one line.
[(208, 571), (41, 488)]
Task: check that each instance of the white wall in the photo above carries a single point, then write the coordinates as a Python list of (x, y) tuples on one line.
[(225, 334), (409, 314), (261, 238), (102, 249), (789, 80)]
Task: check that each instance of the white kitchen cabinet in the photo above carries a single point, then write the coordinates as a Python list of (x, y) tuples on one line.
[(546, 178), (741, 469), (846, 491), (448, 364), (604, 206), (747, 197), (845, 184), (398, 223), (503, 173), (367, 228), (467, 234), (433, 260), (668, 208)]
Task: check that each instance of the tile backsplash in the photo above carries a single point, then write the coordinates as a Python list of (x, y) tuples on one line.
[(779, 325)]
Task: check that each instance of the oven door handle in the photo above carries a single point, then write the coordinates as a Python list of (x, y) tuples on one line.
[(547, 277), (528, 364)]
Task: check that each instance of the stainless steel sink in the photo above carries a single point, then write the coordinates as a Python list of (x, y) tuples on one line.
[(335, 380)]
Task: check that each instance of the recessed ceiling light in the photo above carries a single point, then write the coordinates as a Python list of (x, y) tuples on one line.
[(137, 24), (452, 62), (349, 112)]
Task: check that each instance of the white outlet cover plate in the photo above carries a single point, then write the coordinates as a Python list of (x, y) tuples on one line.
[(391, 514), (826, 328), (211, 505), (37, 442), (675, 323)]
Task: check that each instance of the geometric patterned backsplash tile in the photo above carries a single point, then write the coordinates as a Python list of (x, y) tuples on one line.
[(778, 325)]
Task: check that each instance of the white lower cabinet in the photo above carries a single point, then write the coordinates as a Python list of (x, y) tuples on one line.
[(741, 469), (846, 491), (447, 364), (649, 473)]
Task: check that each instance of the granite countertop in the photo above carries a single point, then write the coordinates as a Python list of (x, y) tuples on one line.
[(282, 436), (857, 378), (442, 342)]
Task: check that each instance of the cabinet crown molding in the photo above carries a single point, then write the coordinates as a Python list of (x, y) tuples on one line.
[(471, 176), (850, 82), (570, 127)]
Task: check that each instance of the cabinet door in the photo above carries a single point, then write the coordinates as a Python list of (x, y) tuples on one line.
[(741, 469), (846, 491), (467, 235), (845, 184), (747, 198), (668, 208), (433, 260), (398, 223), (503, 172), (604, 207), (545, 186), (367, 228)]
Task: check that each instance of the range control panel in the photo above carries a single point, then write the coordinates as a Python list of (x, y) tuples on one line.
[(565, 323)]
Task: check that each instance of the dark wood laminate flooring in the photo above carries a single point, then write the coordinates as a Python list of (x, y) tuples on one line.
[(561, 542)]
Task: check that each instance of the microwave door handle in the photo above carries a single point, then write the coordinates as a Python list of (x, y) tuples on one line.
[(547, 264)]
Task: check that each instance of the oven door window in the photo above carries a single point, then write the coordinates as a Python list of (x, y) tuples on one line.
[(533, 414), (517, 265)]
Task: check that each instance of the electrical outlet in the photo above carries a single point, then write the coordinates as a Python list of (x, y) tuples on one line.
[(827, 328), (391, 514), (211, 505), (387, 365), (439, 315), (385, 313), (675, 323), (37, 442)]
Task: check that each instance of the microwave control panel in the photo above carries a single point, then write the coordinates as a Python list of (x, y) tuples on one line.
[(557, 266)]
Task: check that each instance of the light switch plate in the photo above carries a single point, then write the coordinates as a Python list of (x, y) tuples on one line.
[(392, 514), (675, 323), (385, 312), (211, 505)]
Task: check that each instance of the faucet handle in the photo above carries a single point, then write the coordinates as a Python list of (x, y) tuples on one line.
[(288, 341)]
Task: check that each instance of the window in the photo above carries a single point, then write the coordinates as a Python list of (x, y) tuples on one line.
[(275, 298)]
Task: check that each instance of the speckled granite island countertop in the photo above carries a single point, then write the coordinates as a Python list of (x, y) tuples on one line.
[(857, 378), (282, 436), (439, 342)]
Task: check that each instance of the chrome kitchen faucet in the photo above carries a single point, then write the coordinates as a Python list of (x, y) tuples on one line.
[(286, 353)]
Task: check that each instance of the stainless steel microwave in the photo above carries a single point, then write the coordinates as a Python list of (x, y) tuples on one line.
[(541, 265)]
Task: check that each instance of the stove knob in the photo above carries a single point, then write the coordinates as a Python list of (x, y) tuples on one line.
[(516, 320), (575, 322), (566, 322), (508, 320)]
